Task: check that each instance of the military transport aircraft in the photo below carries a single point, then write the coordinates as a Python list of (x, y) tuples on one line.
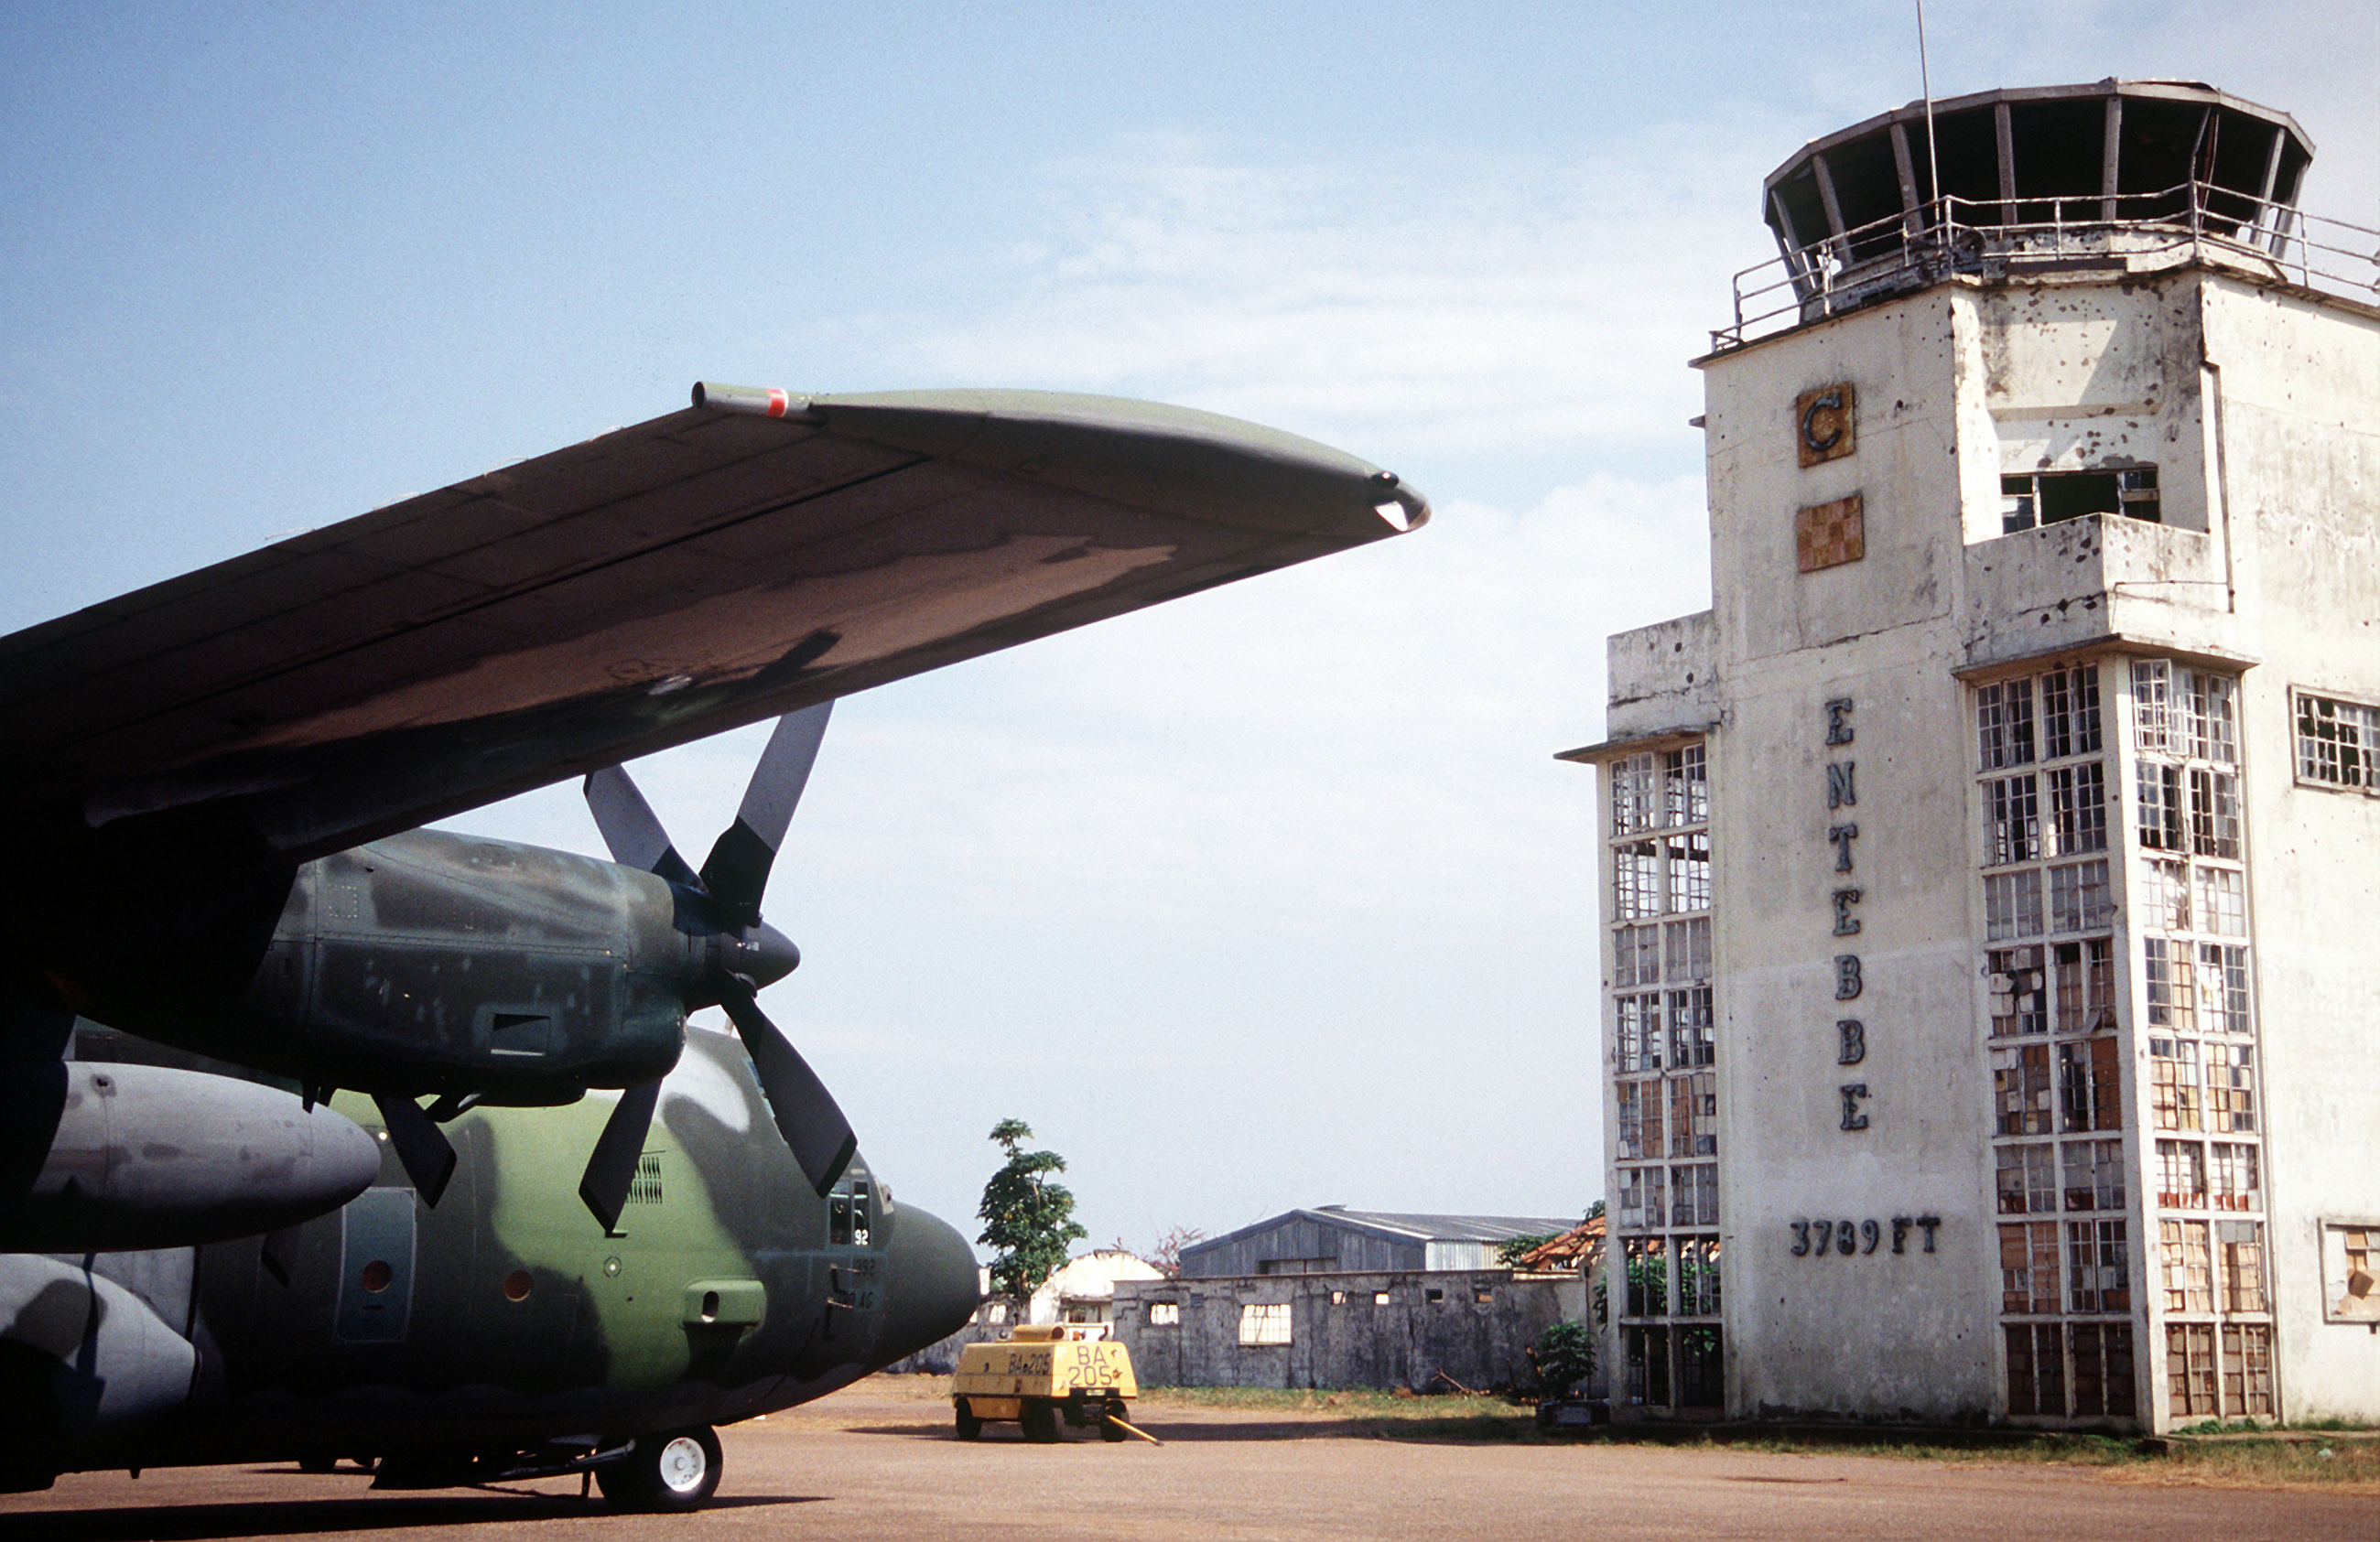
[(226, 948)]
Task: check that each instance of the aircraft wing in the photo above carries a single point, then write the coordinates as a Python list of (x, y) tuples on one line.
[(750, 555)]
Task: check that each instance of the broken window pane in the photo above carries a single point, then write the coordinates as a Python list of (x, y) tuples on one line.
[(1685, 786), (2078, 808), (1636, 880), (2165, 895), (2069, 710), (2020, 996), (2078, 896), (1698, 1280), (1632, 807), (2098, 1271), (1688, 947), (2013, 905), (2086, 984), (2173, 1084), (1690, 873), (2223, 987), (1641, 1042), (1690, 1028), (2011, 821), (2027, 1179), (2087, 1077), (2094, 1174), (2004, 723), (2214, 731), (2222, 899), (2189, 1271), (2236, 1186), (2240, 1249), (2029, 1266), (1636, 955), (2189, 1368), (2166, 975), (2232, 1088), (2181, 1175), (2214, 813), (2152, 725), (2337, 742), (2036, 498), (1693, 1195), (2021, 1089), (2160, 811), (1646, 1263), (1640, 1120)]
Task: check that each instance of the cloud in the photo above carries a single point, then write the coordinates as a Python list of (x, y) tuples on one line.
[(1437, 308)]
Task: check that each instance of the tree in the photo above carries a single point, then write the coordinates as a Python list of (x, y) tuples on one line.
[(1167, 1255), (1028, 1218), (1563, 1355)]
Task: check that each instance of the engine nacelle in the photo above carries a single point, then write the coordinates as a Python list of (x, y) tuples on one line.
[(436, 963), (143, 1156)]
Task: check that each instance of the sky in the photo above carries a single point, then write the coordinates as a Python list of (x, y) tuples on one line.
[(1271, 897)]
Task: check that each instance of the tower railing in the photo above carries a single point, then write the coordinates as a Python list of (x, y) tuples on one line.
[(2010, 237)]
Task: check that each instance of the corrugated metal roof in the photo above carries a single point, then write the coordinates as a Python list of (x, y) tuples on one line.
[(1394, 1223)]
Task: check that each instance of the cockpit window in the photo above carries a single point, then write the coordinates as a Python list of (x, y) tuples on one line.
[(851, 1213)]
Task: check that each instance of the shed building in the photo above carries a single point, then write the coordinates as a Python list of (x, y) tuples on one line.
[(1335, 1240)]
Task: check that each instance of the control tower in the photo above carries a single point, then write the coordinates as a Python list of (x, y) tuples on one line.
[(1989, 878)]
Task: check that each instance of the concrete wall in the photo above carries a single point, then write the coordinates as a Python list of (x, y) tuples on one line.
[(1341, 1334), (2297, 392), (1886, 1334)]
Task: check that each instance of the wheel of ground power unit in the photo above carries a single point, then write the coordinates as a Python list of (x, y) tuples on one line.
[(1040, 1421), (675, 1472), (1110, 1430), (969, 1426)]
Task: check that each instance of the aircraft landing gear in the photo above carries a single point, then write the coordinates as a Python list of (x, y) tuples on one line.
[(670, 1473)]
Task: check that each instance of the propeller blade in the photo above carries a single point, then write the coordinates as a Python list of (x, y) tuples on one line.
[(736, 871), (422, 1149), (815, 1130), (631, 830), (612, 1166)]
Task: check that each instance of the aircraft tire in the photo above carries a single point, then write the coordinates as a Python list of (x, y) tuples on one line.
[(969, 1426), (1040, 1421), (670, 1473)]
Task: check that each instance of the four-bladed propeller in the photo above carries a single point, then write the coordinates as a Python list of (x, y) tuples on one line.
[(720, 909)]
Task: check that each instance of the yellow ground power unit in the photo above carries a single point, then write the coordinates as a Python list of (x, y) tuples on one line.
[(1038, 1376)]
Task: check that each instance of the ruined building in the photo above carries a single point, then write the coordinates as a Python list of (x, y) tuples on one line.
[(1992, 874)]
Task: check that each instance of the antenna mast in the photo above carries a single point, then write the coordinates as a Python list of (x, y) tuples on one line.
[(1925, 82)]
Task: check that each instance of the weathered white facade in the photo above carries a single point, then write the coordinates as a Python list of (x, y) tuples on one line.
[(1990, 875)]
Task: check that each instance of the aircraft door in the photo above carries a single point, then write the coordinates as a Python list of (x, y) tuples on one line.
[(376, 1247)]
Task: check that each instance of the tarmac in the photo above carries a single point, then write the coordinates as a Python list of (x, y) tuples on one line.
[(878, 1462)]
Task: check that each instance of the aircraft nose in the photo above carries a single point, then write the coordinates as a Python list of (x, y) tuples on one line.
[(932, 1287)]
